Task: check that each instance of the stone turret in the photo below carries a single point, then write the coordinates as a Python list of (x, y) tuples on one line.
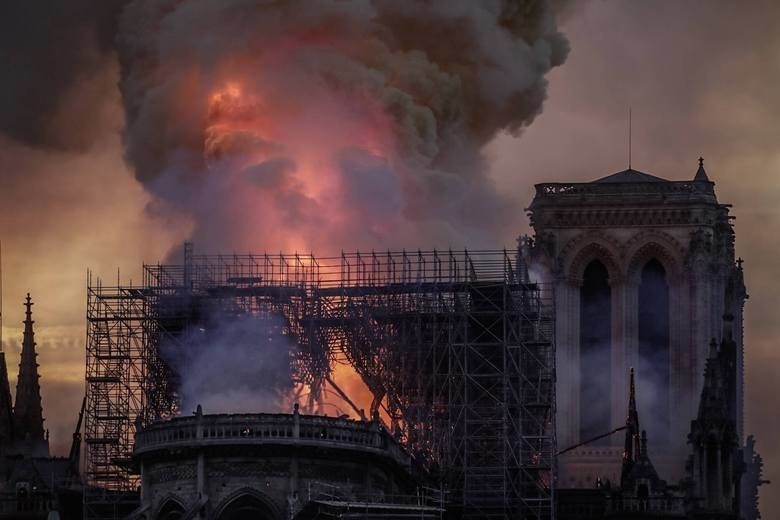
[(716, 466), (701, 174), (30, 437)]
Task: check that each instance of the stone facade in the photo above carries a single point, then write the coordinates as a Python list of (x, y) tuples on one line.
[(714, 468), (264, 466), (624, 222)]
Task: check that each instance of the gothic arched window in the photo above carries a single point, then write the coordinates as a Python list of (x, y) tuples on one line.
[(172, 510), (653, 336), (247, 507), (595, 351)]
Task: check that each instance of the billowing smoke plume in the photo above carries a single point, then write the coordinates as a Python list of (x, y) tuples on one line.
[(57, 57), (286, 125), (232, 363), (328, 124)]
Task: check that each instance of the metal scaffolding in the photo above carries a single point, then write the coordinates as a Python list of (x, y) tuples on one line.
[(455, 348)]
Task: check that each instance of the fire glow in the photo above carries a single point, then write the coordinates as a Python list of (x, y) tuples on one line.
[(256, 140), (330, 125)]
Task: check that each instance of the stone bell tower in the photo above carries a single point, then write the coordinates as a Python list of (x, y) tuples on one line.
[(644, 271)]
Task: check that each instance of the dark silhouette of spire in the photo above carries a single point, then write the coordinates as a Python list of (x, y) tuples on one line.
[(637, 466), (6, 410), (631, 449), (714, 437), (28, 413)]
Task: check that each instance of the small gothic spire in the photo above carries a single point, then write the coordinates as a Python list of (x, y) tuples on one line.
[(28, 413), (715, 427), (701, 175), (631, 447)]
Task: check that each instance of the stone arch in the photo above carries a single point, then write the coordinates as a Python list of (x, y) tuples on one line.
[(171, 508), (656, 319), (646, 246), (595, 248), (245, 502), (596, 344), (654, 348)]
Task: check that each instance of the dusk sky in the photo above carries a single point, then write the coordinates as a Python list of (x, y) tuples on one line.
[(702, 78)]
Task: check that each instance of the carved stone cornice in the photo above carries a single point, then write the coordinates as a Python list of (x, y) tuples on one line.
[(171, 473), (616, 217)]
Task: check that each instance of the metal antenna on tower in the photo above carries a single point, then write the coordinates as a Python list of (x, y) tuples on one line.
[(629, 138)]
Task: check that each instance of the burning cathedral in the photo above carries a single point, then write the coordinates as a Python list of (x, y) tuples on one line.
[(594, 372)]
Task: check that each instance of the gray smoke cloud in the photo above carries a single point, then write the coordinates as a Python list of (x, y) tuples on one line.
[(232, 363), (55, 55), (324, 124)]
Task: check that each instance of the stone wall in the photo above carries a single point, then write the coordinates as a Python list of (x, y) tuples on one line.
[(278, 462), (625, 225)]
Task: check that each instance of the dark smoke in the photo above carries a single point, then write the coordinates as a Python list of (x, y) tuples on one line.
[(54, 54), (350, 123), (356, 123)]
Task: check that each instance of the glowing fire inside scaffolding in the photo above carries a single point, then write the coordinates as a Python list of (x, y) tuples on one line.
[(456, 349)]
